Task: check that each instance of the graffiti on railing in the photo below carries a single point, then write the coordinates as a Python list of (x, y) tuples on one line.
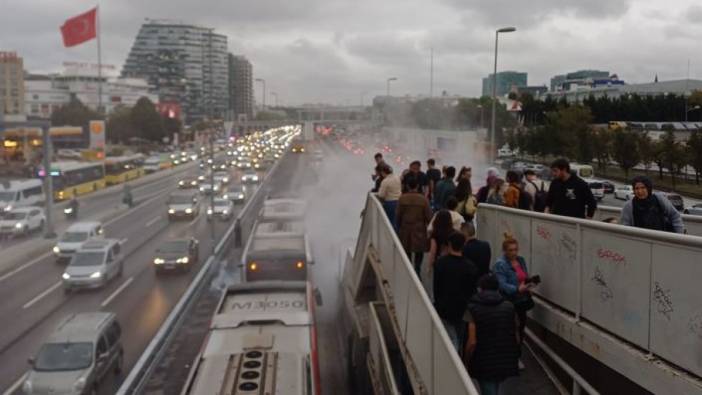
[(695, 324), (663, 300), (606, 292), (543, 232), (612, 256), (568, 247)]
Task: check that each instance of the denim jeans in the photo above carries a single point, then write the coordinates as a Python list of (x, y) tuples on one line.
[(390, 207), (456, 333), (488, 387)]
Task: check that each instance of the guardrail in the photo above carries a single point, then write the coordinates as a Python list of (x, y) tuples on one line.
[(378, 357), (693, 223), (434, 366), (138, 376), (638, 284)]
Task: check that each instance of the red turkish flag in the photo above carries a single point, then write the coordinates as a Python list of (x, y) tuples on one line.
[(79, 29)]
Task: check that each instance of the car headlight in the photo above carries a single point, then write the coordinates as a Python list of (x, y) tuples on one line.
[(216, 187), (79, 384), (18, 225), (225, 180), (193, 183), (255, 178), (8, 207), (225, 196), (243, 178), (209, 211), (181, 183), (158, 261), (171, 211), (96, 275), (188, 210), (225, 212), (66, 276), (241, 196), (56, 250), (183, 260)]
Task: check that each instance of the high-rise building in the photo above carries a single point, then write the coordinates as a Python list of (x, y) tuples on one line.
[(505, 81), (186, 64), (564, 82), (241, 93), (11, 84)]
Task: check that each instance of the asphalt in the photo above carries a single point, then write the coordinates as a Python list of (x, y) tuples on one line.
[(34, 302)]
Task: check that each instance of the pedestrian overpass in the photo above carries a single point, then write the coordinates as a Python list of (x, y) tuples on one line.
[(629, 298)]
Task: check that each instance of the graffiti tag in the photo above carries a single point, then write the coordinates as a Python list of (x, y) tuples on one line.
[(610, 255), (569, 246), (663, 300), (605, 291), (695, 325), (543, 232)]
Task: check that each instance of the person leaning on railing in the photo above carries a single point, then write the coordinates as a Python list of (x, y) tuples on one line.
[(650, 210), (389, 192)]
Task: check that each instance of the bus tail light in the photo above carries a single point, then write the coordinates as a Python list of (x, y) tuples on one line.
[(300, 265), (253, 266)]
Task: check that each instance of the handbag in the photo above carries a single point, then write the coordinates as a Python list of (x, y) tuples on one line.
[(523, 301)]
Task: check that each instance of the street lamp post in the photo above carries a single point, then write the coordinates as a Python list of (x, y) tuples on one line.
[(263, 82), (388, 84), (494, 93)]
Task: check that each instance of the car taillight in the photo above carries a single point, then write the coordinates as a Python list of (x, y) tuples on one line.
[(253, 266), (300, 265)]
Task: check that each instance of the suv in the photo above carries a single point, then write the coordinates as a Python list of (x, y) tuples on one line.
[(183, 205), (22, 220), (598, 189), (94, 265), (178, 254), (74, 237), (77, 355), (676, 200)]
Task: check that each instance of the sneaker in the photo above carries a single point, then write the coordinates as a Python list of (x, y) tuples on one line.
[(520, 364)]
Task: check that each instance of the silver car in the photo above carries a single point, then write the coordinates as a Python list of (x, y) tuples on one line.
[(94, 265), (695, 209), (77, 356)]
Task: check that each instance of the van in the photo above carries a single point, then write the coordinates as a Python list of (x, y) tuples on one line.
[(75, 236), (21, 193), (152, 164), (93, 265), (77, 356), (598, 189)]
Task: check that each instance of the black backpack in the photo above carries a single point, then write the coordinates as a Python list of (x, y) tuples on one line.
[(539, 197), (524, 202)]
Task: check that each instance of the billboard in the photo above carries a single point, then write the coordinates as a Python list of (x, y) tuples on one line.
[(97, 135)]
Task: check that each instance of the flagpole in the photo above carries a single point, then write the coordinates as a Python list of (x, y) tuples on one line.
[(99, 55)]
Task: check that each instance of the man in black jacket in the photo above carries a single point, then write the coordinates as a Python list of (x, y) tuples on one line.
[(569, 195), (476, 251), (492, 349)]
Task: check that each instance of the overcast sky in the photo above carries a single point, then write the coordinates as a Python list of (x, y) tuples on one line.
[(335, 50)]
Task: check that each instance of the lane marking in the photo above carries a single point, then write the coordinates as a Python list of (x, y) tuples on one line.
[(197, 217), (123, 241), (117, 291), (42, 295), (153, 221), (14, 387), (26, 265)]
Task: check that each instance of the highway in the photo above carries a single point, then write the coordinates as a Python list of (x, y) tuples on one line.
[(33, 298)]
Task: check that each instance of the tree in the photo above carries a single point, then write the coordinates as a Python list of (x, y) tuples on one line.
[(75, 113), (694, 149), (147, 121), (647, 151), (172, 126), (119, 125), (602, 147), (625, 149), (670, 154)]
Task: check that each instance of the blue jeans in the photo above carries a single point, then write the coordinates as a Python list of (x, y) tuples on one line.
[(390, 208), (456, 333), (489, 387)]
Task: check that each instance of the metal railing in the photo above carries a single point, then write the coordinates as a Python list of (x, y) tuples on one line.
[(138, 376), (433, 365), (693, 223), (638, 284)]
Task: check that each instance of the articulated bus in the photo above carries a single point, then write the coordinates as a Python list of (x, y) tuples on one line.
[(120, 169), (262, 340), (71, 179)]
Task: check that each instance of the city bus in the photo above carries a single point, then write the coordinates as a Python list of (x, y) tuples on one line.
[(120, 169), (71, 179)]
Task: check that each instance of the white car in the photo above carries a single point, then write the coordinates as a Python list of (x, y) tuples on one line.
[(250, 177), (598, 189), (624, 192), (74, 238), (243, 164), (22, 221), (221, 177), (223, 208)]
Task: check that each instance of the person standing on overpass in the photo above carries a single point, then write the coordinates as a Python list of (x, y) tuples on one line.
[(434, 176), (569, 195), (389, 191), (413, 216), (650, 210), (445, 188)]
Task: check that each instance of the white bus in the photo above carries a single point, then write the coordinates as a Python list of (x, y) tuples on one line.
[(283, 209), (276, 250), (21, 193), (262, 340)]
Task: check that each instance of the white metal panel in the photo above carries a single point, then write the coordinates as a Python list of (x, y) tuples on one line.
[(676, 306), (693, 223), (446, 374), (615, 282), (401, 288), (519, 228), (419, 335), (554, 253)]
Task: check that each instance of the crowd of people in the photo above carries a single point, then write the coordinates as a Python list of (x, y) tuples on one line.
[(483, 304)]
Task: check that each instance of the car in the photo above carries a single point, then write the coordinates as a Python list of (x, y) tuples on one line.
[(221, 177), (183, 205), (695, 209), (624, 192), (298, 148), (250, 177), (220, 165), (676, 200), (188, 183), (608, 186), (177, 254), (93, 265), (597, 189), (243, 163), (535, 167), (22, 221), (74, 237), (207, 188), (235, 193), (260, 165), (77, 356), (223, 208)]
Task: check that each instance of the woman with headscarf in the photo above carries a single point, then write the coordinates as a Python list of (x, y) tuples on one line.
[(650, 210)]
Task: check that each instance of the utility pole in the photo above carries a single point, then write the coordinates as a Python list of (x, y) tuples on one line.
[(212, 191), (48, 187)]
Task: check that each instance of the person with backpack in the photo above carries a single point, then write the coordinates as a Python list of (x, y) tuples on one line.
[(513, 193), (536, 189), (650, 210), (467, 203)]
